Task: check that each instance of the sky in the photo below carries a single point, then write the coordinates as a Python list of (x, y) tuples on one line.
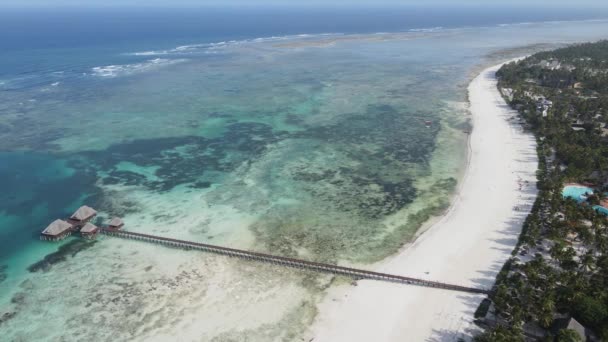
[(292, 3)]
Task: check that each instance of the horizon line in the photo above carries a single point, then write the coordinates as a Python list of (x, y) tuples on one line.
[(301, 5)]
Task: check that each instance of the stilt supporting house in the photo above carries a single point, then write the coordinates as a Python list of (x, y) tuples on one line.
[(116, 223), (89, 231), (83, 215), (57, 230)]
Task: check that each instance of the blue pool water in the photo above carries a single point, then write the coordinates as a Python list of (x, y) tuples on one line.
[(577, 193), (601, 209)]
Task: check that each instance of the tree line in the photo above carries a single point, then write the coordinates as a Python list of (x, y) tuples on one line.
[(560, 265)]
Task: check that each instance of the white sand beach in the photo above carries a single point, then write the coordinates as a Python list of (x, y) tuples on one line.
[(468, 246)]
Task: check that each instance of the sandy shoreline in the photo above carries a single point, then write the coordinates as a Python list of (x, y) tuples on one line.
[(467, 246)]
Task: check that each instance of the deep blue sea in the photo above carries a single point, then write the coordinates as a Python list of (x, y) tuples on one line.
[(37, 39), (328, 134)]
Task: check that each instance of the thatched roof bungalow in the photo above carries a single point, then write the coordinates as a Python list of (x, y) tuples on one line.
[(571, 324), (83, 214), (89, 230), (116, 223), (57, 230)]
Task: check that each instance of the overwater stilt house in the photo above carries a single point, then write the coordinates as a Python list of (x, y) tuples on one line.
[(80, 220), (116, 223), (89, 231), (57, 230), (83, 215)]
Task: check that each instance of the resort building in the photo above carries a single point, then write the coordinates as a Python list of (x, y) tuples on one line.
[(550, 64), (60, 229), (83, 214), (116, 223), (543, 105), (571, 324), (57, 230), (89, 230)]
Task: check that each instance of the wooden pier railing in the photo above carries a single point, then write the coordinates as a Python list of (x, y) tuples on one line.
[(297, 263)]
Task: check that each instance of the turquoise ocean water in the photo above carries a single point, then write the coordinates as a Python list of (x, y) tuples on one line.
[(324, 145)]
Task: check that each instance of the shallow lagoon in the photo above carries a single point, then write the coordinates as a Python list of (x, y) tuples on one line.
[(312, 147)]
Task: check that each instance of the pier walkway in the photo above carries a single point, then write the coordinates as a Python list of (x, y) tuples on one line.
[(289, 262)]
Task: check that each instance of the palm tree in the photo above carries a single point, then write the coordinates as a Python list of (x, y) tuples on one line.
[(557, 251), (568, 335), (547, 309), (587, 261), (601, 242)]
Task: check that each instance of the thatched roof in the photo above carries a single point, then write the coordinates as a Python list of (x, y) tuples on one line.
[(116, 222), (576, 326), (57, 227), (569, 323), (88, 228), (84, 213)]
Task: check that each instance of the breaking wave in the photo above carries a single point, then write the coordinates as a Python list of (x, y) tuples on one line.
[(209, 48), (110, 71), (430, 29)]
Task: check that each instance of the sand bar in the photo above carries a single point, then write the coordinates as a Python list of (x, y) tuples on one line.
[(468, 246)]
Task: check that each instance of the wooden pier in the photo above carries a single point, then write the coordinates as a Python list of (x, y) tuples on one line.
[(289, 262)]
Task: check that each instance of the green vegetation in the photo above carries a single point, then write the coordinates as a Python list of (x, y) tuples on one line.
[(560, 266)]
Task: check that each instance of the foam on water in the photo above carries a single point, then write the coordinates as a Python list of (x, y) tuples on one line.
[(319, 153), (111, 71), (211, 47), (430, 29)]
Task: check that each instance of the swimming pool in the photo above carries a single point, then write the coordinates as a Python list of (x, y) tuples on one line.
[(577, 192), (601, 209)]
